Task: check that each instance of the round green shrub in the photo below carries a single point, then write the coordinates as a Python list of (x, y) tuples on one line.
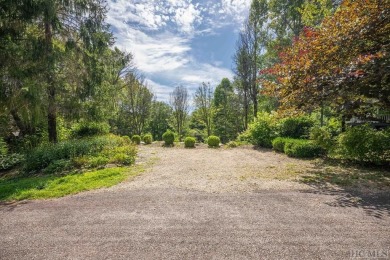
[(262, 133), (295, 127), (136, 139), (365, 144), (189, 142), (148, 139), (213, 141), (168, 137), (300, 148)]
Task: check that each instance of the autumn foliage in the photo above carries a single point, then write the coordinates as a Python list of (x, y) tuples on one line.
[(344, 63)]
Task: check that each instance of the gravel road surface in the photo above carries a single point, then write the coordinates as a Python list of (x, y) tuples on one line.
[(201, 204)]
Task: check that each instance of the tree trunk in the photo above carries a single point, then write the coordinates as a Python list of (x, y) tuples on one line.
[(51, 90)]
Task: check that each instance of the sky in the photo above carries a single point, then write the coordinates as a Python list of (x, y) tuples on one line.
[(178, 42)]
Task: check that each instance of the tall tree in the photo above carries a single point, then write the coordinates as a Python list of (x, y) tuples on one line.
[(203, 102), (159, 119), (179, 104), (135, 105), (341, 63)]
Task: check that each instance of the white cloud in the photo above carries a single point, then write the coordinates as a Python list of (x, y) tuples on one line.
[(159, 34)]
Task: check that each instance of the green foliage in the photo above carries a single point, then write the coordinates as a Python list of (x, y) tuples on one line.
[(295, 127), (232, 144), (9, 161), (126, 139), (213, 141), (82, 152), (262, 132), (364, 144), (148, 139), (136, 139), (301, 148), (3, 148), (86, 129), (189, 142), (322, 137), (52, 186), (168, 137), (279, 142)]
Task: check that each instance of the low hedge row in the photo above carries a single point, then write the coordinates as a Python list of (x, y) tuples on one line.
[(298, 148)]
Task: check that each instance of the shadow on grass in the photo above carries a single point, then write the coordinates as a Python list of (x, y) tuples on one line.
[(355, 186)]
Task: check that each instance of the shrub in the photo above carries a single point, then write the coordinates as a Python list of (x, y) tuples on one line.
[(136, 139), (232, 144), (8, 161), (213, 141), (364, 144), (126, 139), (3, 147), (168, 137), (85, 129), (189, 142), (57, 166), (148, 139), (295, 127), (300, 148), (279, 143), (41, 157), (322, 137), (262, 133)]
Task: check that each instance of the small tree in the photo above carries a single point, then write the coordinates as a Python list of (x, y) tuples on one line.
[(179, 104), (203, 101)]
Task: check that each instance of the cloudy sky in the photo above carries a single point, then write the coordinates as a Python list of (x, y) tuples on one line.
[(178, 41)]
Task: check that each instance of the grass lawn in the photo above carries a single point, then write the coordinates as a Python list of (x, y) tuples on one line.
[(43, 187)]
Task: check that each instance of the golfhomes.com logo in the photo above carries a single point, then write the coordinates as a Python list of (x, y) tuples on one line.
[(369, 253)]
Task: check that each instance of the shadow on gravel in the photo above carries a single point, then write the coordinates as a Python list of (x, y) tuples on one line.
[(11, 205), (367, 188)]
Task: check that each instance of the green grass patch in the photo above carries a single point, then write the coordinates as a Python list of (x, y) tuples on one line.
[(43, 187)]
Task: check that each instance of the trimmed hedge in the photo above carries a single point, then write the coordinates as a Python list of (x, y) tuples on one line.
[(300, 148), (189, 142), (279, 143), (213, 141), (168, 137), (136, 139), (148, 139)]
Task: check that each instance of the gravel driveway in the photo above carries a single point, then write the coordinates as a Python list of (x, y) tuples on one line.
[(202, 204)]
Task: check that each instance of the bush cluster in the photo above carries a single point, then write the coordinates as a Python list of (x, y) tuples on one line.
[(168, 138), (365, 144), (148, 139), (8, 161), (82, 152), (136, 139), (213, 141), (85, 129), (189, 142)]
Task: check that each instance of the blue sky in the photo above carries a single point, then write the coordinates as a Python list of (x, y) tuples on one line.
[(178, 41)]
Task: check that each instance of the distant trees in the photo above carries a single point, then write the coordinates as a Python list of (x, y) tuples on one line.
[(179, 103), (203, 100), (160, 117)]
